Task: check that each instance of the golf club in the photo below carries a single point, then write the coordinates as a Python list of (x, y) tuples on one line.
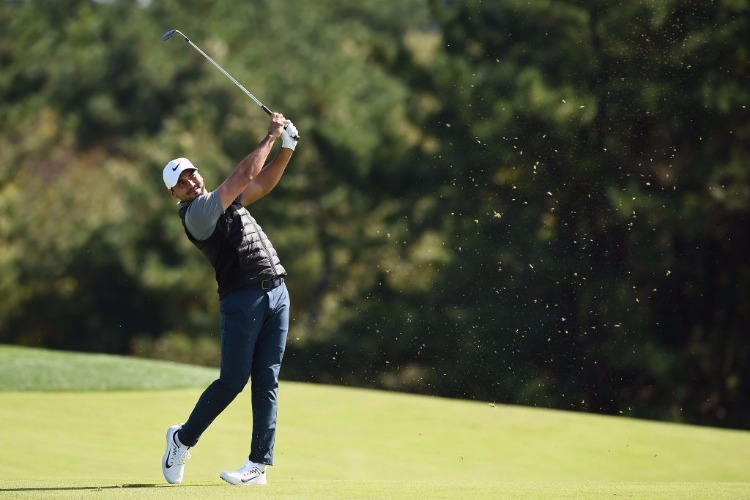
[(166, 36)]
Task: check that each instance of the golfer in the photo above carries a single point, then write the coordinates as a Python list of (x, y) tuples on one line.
[(253, 298)]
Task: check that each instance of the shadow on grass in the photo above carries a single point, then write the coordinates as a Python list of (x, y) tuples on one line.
[(93, 488)]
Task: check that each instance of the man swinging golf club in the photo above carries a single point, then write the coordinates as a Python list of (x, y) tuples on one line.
[(254, 302)]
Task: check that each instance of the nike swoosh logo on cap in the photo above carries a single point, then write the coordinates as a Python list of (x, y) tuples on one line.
[(175, 167)]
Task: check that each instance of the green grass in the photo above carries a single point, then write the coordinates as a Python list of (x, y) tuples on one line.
[(24, 369), (338, 442)]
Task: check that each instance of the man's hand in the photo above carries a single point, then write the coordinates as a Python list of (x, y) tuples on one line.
[(276, 127), (289, 137)]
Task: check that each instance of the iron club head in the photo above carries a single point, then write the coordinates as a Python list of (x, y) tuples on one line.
[(166, 36)]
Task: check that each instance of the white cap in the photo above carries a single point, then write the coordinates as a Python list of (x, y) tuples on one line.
[(173, 170)]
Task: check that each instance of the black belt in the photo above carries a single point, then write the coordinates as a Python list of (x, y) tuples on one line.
[(271, 284)]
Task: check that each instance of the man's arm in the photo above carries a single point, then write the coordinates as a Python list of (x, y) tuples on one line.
[(267, 179), (251, 166)]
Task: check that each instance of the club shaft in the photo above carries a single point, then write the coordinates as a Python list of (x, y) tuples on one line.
[(169, 34), (226, 73)]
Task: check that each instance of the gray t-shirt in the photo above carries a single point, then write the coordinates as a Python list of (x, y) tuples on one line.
[(202, 215)]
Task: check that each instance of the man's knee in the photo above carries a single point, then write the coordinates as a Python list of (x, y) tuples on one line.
[(231, 387), (267, 376)]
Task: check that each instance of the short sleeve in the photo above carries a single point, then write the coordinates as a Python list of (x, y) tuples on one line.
[(202, 215)]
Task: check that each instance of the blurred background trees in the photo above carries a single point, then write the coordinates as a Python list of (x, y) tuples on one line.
[(541, 203)]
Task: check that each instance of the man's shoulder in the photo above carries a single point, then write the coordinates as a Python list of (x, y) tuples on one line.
[(201, 214), (203, 202)]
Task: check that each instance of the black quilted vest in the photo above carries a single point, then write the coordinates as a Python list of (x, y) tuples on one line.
[(239, 250)]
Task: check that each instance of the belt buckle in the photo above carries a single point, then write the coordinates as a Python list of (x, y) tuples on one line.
[(269, 284)]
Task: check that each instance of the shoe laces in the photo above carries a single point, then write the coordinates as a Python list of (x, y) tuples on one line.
[(250, 469), (180, 454)]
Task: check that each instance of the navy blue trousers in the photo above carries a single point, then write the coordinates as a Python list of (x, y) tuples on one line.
[(254, 327)]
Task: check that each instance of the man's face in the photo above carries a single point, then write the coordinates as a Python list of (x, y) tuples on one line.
[(189, 186)]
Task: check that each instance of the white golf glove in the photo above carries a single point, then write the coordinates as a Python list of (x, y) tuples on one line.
[(289, 137)]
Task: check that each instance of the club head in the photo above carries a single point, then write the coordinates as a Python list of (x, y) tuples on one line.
[(166, 36)]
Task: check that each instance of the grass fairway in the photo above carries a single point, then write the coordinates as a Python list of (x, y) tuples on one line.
[(349, 443)]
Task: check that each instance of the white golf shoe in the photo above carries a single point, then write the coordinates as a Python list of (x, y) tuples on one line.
[(248, 474), (173, 463)]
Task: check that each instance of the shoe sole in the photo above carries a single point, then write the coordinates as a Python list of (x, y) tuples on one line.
[(254, 482)]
